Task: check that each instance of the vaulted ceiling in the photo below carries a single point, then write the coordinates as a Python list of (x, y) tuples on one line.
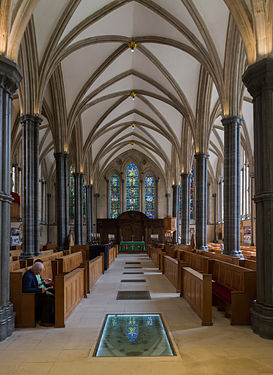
[(164, 95)]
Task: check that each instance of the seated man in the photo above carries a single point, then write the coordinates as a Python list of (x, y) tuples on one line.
[(44, 284), (44, 303)]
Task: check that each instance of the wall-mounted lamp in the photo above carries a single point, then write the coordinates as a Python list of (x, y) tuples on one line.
[(133, 95), (132, 46), (133, 125)]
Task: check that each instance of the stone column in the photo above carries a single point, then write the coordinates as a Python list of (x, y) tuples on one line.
[(215, 219), (122, 196), (259, 81), (175, 211), (89, 213), (107, 198), (96, 208), (185, 221), (232, 188), (156, 197), (252, 206), (10, 76), (30, 188), (201, 200), (60, 200), (66, 198), (17, 185), (48, 217), (142, 209), (167, 195), (208, 200), (78, 207)]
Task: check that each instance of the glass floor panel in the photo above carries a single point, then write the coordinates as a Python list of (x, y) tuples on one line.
[(141, 335)]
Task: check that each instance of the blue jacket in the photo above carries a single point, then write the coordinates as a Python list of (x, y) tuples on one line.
[(30, 283)]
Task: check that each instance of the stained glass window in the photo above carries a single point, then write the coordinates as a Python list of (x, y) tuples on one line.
[(149, 195), (192, 194), (71, 194), (114, 196), (132, 188)]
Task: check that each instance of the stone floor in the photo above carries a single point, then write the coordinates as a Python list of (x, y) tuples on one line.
[(220, 349)]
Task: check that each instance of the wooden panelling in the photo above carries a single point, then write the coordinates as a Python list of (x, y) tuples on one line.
[(94, 271), (69, 291), (197, 291), (111, 256), (172, 271)]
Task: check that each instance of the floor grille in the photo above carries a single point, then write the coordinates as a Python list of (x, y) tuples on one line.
[(133, 295)]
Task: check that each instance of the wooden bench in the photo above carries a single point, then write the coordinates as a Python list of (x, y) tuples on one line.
[(69, 291), (197, 291), (14, 265), (198, 262), (95, 270), (69, 263), (172, 271), (247, 263), (154, 255), (110, 256), (234, 289), (222, 257)]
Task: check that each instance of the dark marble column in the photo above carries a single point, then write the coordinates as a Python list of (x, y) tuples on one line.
[(167, 195), (208, 200), (214, 219), (185, 221), (48, 217), (78, 208), (10, 76), (175, 211), (156, 197), (30, 185), (201, 200), (122, 196), (96, 209), (60, 200), (232, 188), (89, 213), (107, 198), (252, 206), (66, 199), (259, 81)]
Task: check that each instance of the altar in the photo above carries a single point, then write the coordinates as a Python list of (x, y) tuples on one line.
[(132, 247)]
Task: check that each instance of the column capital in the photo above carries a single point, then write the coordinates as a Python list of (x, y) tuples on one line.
[(96, 195), (35, 120), (201, 155), (62, 154), (259, 76), (231, 120), (185, 174), (10, 75)]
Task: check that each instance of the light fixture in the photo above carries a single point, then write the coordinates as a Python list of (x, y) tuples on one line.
[(133, 95), (132, 46), (132, 143), (133, 125)]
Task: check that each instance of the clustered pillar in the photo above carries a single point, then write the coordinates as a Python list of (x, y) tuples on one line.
[(10, 76), (232, 189), (201, 200), (175, 211), (185, 220), (30, 185), (78, 208), (259, 80), (61, 200), (89, 213)]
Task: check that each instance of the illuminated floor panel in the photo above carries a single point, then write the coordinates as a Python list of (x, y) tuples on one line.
[(141, 335)]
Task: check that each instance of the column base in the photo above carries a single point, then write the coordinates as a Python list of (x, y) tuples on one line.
[(262, 320), (7, 321), (234, 253), (204, 248)]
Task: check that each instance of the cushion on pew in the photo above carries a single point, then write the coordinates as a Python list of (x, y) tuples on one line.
[(221, 291)]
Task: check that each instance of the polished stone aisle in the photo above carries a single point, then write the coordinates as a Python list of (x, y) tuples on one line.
[(220, 349)]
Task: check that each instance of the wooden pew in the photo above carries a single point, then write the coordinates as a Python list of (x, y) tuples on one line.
[(110, 256), (222, 257), (14, 265), (69, 291), (45, 256), (247, 263), (234, 289), (154, 255), (69, 263), (200, 263), (95, 270), (172, 271), (197, 291)]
